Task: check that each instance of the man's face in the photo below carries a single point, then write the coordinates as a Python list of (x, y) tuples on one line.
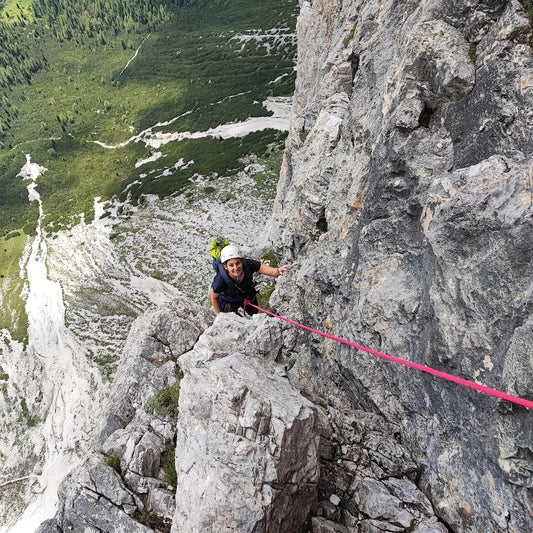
[(234, 268)]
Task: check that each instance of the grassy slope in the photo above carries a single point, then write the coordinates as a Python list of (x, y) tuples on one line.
[(189, 64), (12, 311)]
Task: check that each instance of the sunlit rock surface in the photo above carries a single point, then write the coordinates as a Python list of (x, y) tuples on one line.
[(247, 443), (124, 484), (405, 202)]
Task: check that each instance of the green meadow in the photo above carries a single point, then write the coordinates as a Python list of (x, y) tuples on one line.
[(189, 63)]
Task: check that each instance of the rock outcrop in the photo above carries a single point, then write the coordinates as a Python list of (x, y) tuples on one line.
[(405, 201), (243, 454), (248, 441), (128, 483)]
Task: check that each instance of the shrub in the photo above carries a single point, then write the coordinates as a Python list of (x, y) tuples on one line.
[(270, 258), (168, 461), (114, 462), (322, 225), (30, 420), (350, 36), (165, 402), (263, 299), (146, 518), (472, 52)]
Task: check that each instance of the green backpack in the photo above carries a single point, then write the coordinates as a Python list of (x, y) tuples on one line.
[(216, 247)]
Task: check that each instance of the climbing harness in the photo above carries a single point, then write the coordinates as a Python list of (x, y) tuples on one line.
[(429, 370)]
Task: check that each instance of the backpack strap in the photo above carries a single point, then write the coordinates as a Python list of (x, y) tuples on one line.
[(219, 268)]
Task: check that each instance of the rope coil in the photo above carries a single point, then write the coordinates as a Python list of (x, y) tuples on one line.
[(429, 370)]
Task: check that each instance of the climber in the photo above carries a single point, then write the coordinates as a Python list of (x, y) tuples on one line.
[(233, 283)]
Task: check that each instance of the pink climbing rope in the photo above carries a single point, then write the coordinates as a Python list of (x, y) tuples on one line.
[(429, 370)]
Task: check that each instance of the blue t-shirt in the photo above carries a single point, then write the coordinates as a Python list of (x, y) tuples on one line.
[(238, 291)]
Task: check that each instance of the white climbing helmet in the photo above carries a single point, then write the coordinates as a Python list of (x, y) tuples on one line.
[(229, 252)]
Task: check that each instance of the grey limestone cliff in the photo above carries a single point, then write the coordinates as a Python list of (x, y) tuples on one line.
[(248, 441), (405, 202), (123, 486), (242, 442)]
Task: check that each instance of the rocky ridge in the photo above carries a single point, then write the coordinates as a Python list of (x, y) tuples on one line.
[(248, 446), (405, 203)]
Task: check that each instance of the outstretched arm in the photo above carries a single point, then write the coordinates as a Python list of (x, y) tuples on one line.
[(271, 271), (215, 301)]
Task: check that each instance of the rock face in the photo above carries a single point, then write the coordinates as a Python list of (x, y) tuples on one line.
[(405, 202), (244, 455), (128, 484), (248, 441)]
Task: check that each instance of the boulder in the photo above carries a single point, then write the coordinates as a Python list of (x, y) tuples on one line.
[(247, 440)]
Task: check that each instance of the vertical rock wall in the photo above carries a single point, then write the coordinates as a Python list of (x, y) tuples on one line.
[(405, 202)]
